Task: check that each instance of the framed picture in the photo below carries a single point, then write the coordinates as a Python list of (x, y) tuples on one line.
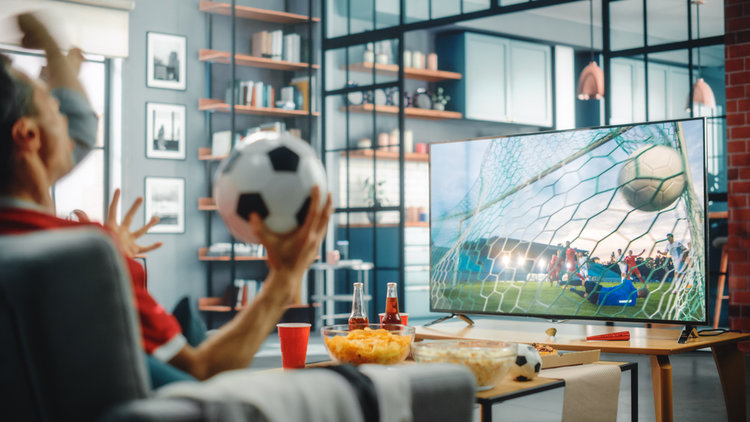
[(166, 62), (165, 198), (165, 131)]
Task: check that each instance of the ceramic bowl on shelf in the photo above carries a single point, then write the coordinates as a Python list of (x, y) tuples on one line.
[(369, 345), (488, 360)]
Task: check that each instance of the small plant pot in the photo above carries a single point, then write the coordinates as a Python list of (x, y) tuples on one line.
[(438, 106)]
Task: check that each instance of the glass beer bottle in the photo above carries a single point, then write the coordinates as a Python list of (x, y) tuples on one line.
[(391, 317), (358, 319)]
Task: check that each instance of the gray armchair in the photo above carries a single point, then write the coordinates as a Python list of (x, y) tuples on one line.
[(71, 342)]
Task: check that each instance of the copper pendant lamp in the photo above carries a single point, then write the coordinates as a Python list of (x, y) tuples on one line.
[(591, 81), (701, 92)]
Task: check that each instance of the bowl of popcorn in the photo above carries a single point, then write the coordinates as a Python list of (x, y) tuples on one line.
[(370, 344), (488, 360)]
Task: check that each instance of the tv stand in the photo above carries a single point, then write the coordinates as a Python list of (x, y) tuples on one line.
[(462, 317), (687, 332)]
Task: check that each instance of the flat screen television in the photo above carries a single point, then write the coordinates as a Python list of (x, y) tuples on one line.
[(601, 223)]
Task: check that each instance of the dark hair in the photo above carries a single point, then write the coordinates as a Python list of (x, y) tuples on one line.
[(16, 101)]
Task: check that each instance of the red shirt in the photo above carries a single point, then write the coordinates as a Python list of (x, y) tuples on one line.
[(630, 260), (161, 335), (570, 256)]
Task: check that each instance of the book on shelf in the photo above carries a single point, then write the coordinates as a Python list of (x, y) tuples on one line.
[(260, 94), (304, 85), (277, 46)]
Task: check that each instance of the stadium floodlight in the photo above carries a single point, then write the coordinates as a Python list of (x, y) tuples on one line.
[(542, 263), (506, 259), (521, 260)]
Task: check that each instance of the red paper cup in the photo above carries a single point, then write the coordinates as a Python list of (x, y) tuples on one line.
[(293, 337), (404, 318)]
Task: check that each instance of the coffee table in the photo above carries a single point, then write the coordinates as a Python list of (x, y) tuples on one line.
[(507, 389), (659, 344)]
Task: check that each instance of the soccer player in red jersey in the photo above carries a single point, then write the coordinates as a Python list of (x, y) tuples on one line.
[(632, 266)]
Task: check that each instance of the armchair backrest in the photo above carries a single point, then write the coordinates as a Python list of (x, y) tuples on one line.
[(70, 338)]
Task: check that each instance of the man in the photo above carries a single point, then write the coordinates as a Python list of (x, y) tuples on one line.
[(633, 266), (622, 265), (551, 266), (677, 251), (623, 294), (36, 151)]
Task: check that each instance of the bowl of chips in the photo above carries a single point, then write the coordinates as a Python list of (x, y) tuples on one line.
[(371, 344), (488, 360)]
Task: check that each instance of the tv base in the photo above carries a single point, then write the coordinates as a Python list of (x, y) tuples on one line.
[(687, 332), (462, 317)]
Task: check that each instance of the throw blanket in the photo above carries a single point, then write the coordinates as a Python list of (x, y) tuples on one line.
[(591, 391)]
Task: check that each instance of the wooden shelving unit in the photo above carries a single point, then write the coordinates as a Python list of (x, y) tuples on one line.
[(209, 104), (387, 155), (254, 13), (225, 57), (409, 112), (207, 204), (204, 154), (216, 304), (409, 72), (203, 256)]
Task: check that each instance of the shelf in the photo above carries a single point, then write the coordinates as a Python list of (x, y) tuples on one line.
[(216, 304), (387, 155), (410, 112), (208, 104), (207, 204), (203, 256), (369, 225), (216, 56), (409, 72), (254, 13), (204, 154)]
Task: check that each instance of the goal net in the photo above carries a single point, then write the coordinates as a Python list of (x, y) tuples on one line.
[(542, 225)]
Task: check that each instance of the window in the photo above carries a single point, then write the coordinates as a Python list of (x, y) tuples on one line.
[(85, 187)]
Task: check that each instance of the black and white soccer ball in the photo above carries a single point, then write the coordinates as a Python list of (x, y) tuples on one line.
[(652, 178), (271, 174), (528, 363)]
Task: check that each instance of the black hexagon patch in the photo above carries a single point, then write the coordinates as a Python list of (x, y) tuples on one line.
[(302, 213), (520, 360), (537, 367), (248, 203), (284, 159)]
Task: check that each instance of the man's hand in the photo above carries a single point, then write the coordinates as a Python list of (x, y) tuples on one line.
[(122, 231), (294, 252)]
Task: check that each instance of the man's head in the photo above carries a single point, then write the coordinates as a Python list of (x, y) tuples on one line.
[(34, 141), (567, 243), (670, 238), (630, 252), (619, 251)]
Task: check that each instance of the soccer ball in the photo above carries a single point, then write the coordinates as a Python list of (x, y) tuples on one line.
[(528, 363), (652, 178), (271, 174)]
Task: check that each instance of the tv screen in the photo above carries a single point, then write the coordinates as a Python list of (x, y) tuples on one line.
[(604, 223)]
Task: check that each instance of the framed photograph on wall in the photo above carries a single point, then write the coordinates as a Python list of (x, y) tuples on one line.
[(165, 131), (166, 65), (165, 198)]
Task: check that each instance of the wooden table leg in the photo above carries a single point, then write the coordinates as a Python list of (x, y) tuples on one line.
[(661, 379), (730, 362)]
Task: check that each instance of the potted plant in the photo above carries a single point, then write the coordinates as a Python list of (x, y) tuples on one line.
[(439, 100)]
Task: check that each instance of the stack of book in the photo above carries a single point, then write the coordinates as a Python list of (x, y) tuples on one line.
[(277, 46), (250, 93)]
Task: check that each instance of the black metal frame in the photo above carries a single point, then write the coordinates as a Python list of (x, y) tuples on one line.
[(487, 403)]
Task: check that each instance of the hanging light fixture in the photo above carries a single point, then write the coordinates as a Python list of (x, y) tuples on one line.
[(701, 93), (591, 82)]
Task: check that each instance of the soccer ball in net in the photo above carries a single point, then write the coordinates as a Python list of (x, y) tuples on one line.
[(271, 174), (652, 178), (528, 363)]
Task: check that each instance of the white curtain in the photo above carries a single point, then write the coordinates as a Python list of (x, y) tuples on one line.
[(97, 27)]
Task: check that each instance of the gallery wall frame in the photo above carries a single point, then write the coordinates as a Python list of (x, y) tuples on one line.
[(166, 61), (165, 198), (165, 131)]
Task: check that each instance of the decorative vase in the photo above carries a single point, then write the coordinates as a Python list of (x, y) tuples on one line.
[(439, 106)]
